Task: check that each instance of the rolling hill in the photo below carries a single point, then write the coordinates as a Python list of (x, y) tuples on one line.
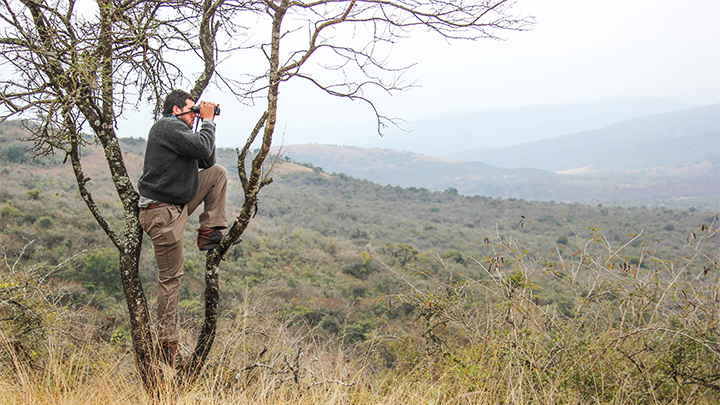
[(406, 169), (465, 130), (678, 143)]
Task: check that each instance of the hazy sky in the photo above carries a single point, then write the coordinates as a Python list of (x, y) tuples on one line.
[(579, 50)]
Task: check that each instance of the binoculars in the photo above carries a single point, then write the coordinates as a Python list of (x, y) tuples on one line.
[(196, 109)]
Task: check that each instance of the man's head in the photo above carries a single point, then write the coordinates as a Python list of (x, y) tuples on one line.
[(179, 103)]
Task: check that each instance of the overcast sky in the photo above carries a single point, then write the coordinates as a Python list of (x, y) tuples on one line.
[(579, 51)]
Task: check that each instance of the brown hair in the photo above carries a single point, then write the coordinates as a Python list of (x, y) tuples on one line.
[(175, 98)]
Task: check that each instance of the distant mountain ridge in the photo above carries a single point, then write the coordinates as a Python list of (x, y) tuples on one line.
[(501, 127), (671, 140), (668, 158)]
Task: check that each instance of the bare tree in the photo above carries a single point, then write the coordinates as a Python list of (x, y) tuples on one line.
[(352, 40), (69, 69), (79, 69)]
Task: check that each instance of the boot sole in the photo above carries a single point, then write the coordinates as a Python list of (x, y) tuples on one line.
[(206, 248)]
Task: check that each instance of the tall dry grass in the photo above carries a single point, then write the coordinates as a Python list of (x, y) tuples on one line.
[(591, 323)]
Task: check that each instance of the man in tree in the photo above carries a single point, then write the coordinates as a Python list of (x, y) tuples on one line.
[(178, 174)]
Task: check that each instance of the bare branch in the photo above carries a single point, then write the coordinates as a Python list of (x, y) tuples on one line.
[(242, 154)]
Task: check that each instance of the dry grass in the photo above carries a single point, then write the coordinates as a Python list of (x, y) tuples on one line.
[(636, 335), (101, 373)]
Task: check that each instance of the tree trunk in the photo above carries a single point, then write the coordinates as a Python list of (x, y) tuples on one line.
[(142, 339)]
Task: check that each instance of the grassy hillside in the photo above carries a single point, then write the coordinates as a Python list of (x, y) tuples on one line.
[(345, 290), (323, 223)]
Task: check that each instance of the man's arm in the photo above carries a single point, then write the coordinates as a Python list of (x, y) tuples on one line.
[(209, 162), (207, 112), (183, 141)]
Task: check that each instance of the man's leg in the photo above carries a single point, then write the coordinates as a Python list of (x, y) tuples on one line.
[(211, 192), (166, 226)]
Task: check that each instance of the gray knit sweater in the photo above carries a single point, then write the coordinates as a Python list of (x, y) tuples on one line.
[(173, 155)]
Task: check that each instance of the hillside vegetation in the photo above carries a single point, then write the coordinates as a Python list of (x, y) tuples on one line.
[(345, 290)]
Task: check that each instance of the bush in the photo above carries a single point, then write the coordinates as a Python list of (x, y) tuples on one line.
[(361, 270), (99, 274), (9, 212), (44, 222), (25, 311), (15, 152), (33, 194)]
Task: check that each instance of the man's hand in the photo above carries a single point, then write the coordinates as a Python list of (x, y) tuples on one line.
[(207, 110)]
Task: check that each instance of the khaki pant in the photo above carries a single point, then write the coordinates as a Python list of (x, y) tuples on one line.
[(166, 227)]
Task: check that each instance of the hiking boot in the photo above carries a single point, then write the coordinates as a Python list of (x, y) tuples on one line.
[(169, 351), (170, 355), (209, 238)]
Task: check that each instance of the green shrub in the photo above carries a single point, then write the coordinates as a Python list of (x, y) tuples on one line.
[(361, 270), (9, 212), (25, 312), (33, 194), (44, 222), (15, 152), (453, 255), (101, 272), (358, 330)]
